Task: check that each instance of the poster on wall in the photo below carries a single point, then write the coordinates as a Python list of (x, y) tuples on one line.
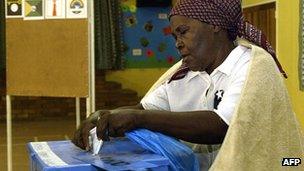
[(147, 37), (54, 9), (33, 9), (13, 9), (76, 9)]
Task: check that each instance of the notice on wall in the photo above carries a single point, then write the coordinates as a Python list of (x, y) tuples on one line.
[(13, 9), (54, 9), (33, 9), (76, 9)]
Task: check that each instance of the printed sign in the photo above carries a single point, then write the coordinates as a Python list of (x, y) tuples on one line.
[(54, 9), (76, 9), (33, 9), (13, 9), (291, 161)]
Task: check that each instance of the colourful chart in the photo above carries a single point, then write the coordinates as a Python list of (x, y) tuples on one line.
[(145, 31)]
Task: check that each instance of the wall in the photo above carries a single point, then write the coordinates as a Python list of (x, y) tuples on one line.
[(136, 79), (139, 80), (288, 50)]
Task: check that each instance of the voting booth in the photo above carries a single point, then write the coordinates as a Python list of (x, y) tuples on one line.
[(50, 53)]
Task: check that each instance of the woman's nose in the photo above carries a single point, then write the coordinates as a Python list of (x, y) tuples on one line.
[(179, 44)]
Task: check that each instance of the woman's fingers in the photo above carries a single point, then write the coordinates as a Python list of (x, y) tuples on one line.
[(85, 135), (77, 140), (102, 126)]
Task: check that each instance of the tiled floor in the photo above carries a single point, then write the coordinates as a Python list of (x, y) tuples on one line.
[(27, 131)]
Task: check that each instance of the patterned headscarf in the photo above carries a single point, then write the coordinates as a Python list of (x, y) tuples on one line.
[(227, 14)]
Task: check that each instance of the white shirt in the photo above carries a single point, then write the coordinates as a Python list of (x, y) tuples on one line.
[(201, 91)]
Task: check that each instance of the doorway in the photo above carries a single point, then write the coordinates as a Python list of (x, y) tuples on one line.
[(263, 17)]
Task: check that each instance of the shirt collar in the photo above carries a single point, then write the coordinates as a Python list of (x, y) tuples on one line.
[(192, 74), (229, 63)]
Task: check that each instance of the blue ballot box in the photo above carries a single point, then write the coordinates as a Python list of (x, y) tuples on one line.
[(117, 154)]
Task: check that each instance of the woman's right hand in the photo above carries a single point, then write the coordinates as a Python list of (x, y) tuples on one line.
[(81, 135)]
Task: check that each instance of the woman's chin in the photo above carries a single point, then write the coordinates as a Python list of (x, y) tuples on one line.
[(193, 69)]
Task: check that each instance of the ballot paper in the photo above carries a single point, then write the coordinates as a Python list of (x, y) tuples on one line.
[(95, 144)]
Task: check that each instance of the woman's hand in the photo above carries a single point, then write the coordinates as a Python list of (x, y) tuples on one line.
[(109, 123), (81, 135), (116, 123)]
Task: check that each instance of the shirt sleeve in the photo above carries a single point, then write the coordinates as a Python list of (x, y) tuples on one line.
[(156, 100), (231, 97)]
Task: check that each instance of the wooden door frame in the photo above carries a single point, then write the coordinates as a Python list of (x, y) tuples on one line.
[(3, 44), (276, 17), (260, 3)]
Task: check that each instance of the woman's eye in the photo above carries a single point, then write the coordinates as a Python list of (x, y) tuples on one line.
[(183, 31)]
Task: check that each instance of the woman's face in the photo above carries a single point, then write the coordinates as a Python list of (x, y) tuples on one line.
[(194, 41)]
